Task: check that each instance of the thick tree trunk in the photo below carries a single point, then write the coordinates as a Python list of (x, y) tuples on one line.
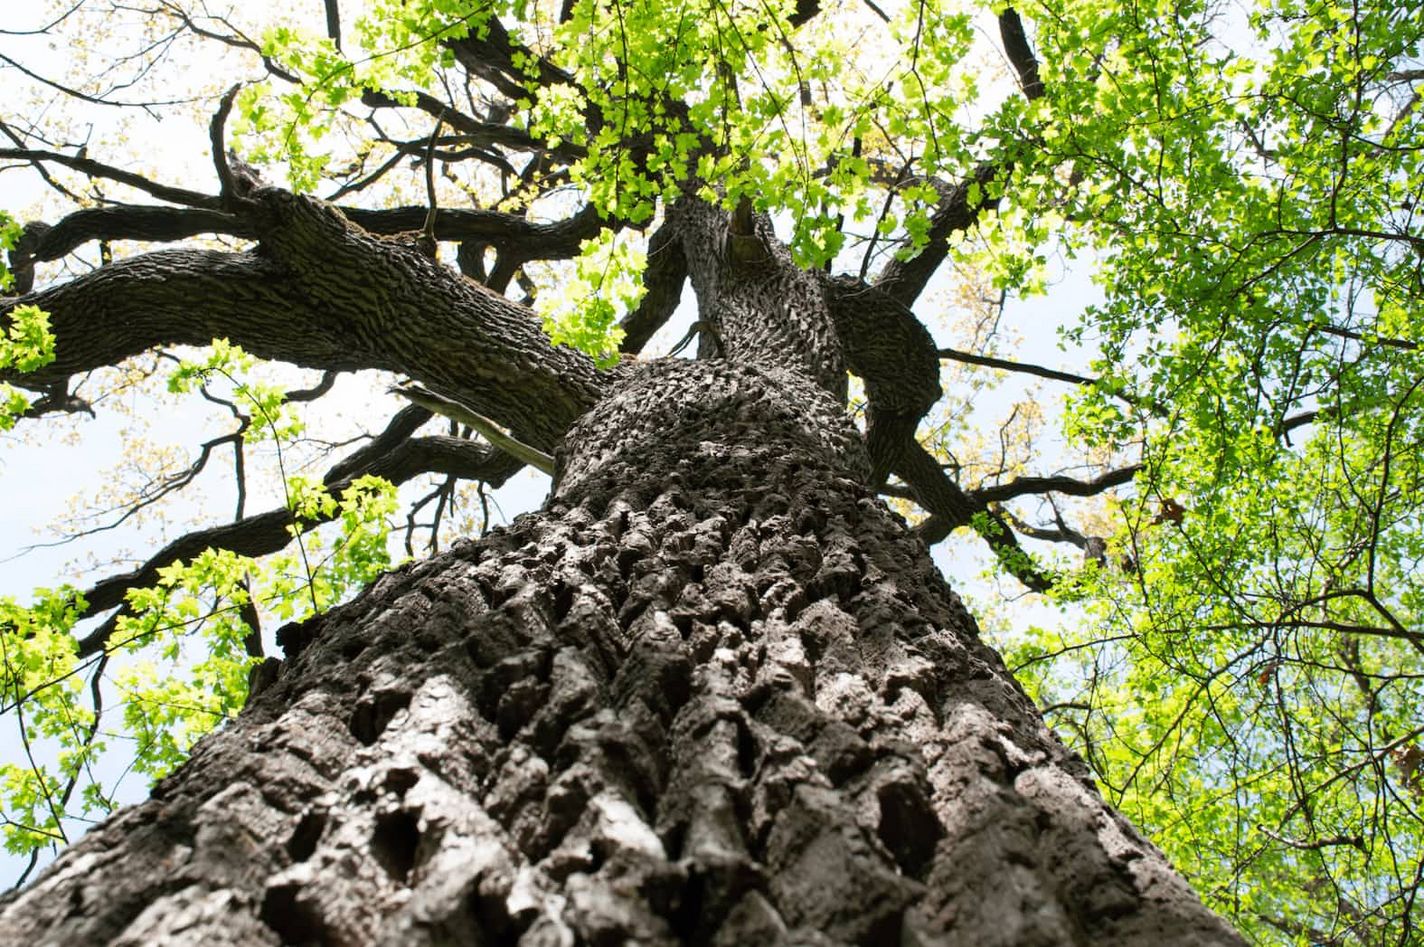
[(715, 693)]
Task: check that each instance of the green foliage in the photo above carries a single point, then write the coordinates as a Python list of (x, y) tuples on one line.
[(399, 52), (190, 669), (180, 657), (26, 344), (1242, 669), (191, 628), (1246, 685), (650, 87), (264, 402), (606, 285), (10, 232), (42, 689), (313, 578)]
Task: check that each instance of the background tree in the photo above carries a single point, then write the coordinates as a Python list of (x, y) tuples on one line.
[(1237, 469)]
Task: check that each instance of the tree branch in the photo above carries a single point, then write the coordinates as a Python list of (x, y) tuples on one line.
[(325, 295), (959, 209), (663, 279), (183, 297), (892, 351), (540, 241), (950, 507), (1025, 368), (886, 345), (486, 428), (488, 134), (961, 205), (333, 23), (402, 458), (1011, 31), (97, 169), (491, 57), (1070, 486)]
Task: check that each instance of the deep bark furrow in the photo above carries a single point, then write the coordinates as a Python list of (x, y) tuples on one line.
[(714, 694)]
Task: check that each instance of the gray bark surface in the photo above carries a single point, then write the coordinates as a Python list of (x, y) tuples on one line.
[(714, 693)]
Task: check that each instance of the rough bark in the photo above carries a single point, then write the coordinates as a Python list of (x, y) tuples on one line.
[(323, 292), (715, 693)]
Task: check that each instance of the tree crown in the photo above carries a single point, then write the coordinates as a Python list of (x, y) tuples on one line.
[(1233, 515)]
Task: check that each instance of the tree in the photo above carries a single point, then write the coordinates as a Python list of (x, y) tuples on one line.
[(715, 690)]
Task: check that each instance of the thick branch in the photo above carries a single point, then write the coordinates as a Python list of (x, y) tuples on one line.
[(333, 23), (459, 338), (377, 305), (119, 222), (892, 351), (760, 306), (551, 241), (184, 297), (663, 279), (492, 58), (1011, 30), (886, 345), (894, 354), (959, 209), (950, 507)]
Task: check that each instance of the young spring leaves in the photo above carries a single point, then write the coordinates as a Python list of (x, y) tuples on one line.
[(177, 661)]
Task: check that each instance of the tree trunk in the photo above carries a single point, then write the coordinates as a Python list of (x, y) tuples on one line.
[(715, 693)]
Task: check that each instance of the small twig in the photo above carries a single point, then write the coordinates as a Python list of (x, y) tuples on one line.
[(1354, 841), (427, 233), (877, 11)]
